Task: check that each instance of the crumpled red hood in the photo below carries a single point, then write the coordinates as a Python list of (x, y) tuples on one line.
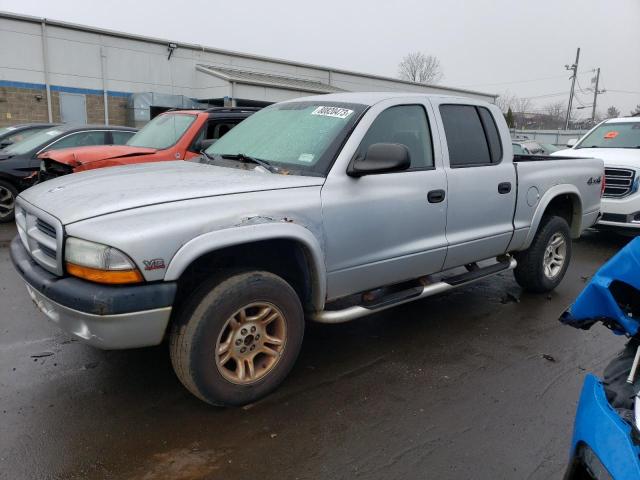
[(77, 156)]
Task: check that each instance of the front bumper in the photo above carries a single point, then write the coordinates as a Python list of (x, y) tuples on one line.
[(621, 213), (606, 434), (107, 317)]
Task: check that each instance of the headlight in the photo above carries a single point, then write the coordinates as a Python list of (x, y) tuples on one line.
[(99, 263)]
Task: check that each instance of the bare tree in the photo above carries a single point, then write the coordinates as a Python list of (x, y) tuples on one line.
[(556, 110), (522, 105), (421, 68), (506, 100), (636, 111), (613, 112), (554, 114)]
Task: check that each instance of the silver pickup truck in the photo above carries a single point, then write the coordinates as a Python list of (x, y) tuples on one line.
[(328, 208)]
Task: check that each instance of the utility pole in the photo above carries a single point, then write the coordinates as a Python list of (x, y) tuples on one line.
[(596, 92), (574, 69)]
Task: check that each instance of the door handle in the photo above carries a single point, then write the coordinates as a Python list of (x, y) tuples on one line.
[(435, 196), (504, 187)]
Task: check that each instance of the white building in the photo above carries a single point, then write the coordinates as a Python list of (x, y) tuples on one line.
[(57, 71)]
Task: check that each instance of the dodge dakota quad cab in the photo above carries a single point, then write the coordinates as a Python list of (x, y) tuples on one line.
[(328, 208), (173, 135), (617, 142)]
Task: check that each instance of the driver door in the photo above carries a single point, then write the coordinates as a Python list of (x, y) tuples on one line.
[(382, 228)]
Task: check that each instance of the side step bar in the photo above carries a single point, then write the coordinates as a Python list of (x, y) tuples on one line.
[(357, 311)]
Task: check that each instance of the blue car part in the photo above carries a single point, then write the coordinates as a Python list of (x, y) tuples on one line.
[(612, 296), (606, 439), (604, 445)]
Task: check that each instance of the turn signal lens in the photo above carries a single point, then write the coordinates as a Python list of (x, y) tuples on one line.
[(104, 276)]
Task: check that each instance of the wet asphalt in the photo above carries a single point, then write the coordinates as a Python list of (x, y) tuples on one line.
[(479, 383)]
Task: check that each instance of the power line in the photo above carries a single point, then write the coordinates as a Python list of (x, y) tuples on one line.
[(521, 81), (546, 95), (624, 91)]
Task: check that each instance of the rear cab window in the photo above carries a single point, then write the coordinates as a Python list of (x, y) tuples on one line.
[(472, 136)]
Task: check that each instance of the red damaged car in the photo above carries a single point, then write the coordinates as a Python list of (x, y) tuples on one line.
[(173, 135)]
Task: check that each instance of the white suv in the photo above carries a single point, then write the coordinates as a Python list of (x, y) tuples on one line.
[(617, 142)]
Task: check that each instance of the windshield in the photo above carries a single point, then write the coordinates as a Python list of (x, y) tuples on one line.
[(34, 141), (613, 135), (301, 136), (13, 134), (163, 131)]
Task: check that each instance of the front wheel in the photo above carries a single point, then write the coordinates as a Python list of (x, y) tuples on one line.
[(8, 194), (237, 338), (542, 266)]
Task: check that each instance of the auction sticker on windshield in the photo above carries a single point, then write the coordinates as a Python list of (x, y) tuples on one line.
[(336, 112)]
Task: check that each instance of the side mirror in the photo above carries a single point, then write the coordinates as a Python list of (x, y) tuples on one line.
[(571, 142), (381, 158)]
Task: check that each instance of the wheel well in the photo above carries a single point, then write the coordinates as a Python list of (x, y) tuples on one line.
[(566, 206), (286, 258)]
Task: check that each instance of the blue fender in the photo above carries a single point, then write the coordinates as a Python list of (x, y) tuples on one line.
[(596, 302)]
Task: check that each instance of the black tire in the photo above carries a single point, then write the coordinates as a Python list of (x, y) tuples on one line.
[(203, 319), (8, 194), (530, 272)]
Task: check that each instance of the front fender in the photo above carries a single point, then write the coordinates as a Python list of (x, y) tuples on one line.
[(547, 198), (212, 241)]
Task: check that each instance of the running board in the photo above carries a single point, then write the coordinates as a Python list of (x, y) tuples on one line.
[(393, 300)]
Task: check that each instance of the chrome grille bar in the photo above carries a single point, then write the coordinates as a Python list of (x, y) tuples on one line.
[(41, 234), (619, 182)]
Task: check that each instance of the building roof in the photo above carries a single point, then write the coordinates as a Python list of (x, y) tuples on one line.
[(248, 77), (102, 31)]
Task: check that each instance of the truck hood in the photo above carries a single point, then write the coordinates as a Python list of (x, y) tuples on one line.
[(619, 157), (76, 197), (77, 156)]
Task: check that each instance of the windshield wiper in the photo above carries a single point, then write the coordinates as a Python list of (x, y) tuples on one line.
[(206, 155), (246, 158)]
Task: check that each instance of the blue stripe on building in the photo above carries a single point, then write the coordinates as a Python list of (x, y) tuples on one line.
[(58, 88)]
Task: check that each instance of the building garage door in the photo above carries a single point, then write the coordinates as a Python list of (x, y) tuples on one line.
[(73, 108)]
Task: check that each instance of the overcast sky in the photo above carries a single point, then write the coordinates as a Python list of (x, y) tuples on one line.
[(491, 46)]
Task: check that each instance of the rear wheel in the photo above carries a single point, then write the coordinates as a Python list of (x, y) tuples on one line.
[(542, 266), (237, 338), (8, 194)]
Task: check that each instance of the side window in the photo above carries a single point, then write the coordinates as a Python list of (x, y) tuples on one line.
[(213, 130), (216, 130), (221, 129), (466, 137), (404, 124), (493, 137), (196, 141), (80, 139), (120, 137)]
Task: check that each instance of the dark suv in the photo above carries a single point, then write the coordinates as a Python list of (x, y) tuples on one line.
[(19, 162)]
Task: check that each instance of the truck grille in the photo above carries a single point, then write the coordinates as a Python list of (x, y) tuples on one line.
[(619, 182), (41, 235)]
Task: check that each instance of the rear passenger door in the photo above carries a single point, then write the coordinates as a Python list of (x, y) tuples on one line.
[(481, 184)]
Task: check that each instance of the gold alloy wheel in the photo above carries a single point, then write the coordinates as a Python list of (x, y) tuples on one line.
[(554, 256), (251, 343)]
